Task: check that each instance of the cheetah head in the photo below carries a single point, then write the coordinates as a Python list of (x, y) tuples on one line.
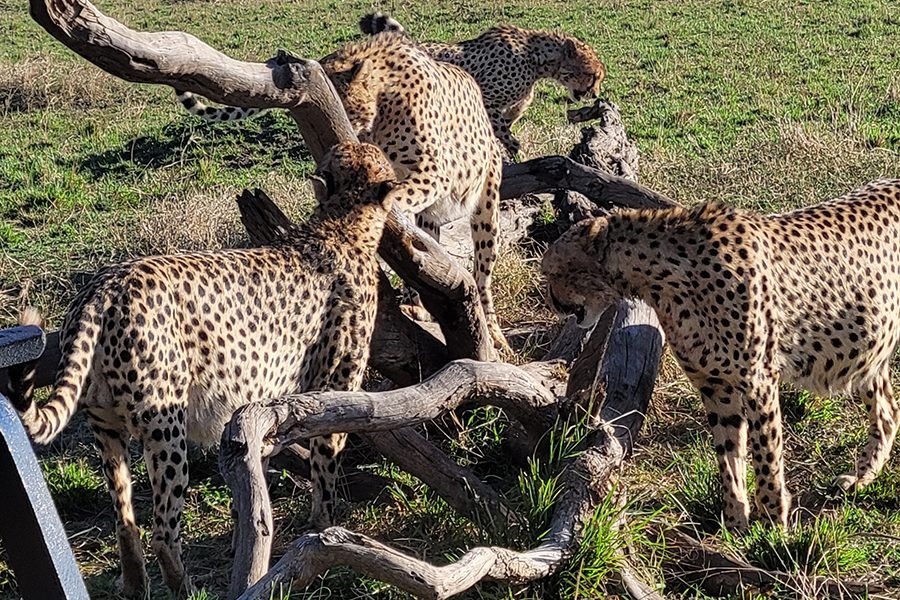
[(360, 172), (580, 70), (358, 94), (577, 282)]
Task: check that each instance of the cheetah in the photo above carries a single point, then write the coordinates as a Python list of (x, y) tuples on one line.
[(507, 61), (163, 349), (428, 118), (810, 297)]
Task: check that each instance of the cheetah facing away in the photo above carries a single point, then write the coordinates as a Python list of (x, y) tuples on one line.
[(810, 297), (163, 349), (507, 61)]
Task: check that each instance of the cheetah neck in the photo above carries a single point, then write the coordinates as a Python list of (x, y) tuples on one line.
[(646, 257), (360, 228), (544, 50)]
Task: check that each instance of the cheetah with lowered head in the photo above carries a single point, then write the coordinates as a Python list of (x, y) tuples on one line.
[(164, 349), (810, 297), (507, 61)]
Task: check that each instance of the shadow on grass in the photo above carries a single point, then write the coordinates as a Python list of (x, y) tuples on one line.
[(265, 139)]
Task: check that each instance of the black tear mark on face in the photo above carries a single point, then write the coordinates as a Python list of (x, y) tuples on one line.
[(562, 308)]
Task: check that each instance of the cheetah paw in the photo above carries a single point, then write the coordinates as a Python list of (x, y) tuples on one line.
[(846, 482)]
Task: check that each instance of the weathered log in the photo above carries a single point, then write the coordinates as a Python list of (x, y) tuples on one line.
[(551, 173), (620, 360), (356, 485), (447, 291), (258, 430), (585, 481)]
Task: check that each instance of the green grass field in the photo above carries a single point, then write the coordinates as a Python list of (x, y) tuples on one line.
[(748, 102)]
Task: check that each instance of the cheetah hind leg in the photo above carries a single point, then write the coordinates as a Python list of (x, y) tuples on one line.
[(884, 417), (115, 463), (485, 239), (165, 452), (323, 464)]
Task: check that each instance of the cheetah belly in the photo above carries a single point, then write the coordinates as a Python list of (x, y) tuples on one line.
[(832, 371), (446, 210), (207, 414), (212, 400)]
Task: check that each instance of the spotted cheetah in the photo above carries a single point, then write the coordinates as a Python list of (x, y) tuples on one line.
[(810, 297), (163, 349), (507, 61), (428, 118)]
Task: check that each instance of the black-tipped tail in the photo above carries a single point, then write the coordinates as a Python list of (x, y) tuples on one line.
[(375, 23)]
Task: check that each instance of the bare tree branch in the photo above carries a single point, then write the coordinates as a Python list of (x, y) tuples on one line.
[(551, 173), (585, 481)]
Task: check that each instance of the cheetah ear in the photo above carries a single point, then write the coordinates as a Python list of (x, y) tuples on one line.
[(593, 238), (569, 50)]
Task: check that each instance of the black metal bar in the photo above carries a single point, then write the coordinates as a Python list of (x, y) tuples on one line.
[(31, 532)]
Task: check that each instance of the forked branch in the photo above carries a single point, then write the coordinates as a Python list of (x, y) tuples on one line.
[(585, 484)]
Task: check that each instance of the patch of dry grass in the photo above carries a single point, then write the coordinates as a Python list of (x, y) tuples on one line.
[(774, 169), (40, 83)]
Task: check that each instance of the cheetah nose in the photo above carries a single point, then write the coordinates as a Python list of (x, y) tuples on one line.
[(579, 315)]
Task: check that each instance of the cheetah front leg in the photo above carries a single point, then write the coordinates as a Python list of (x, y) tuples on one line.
[(323, 465), (729, 433), (342, 368), (501, 127), (884, 417), (767, 443)]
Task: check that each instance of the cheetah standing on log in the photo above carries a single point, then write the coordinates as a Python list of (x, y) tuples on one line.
[(810, 297), (507, 61), (428, 118), (164, 349)]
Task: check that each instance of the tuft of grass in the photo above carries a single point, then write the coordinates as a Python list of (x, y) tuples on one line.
[(74, 484), (698, 491)]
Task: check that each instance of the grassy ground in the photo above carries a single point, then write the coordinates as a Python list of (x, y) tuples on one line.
[(747, 102)]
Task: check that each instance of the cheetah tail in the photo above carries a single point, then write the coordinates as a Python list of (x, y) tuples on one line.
[(45, 422), (374, 23), (196, 107)]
